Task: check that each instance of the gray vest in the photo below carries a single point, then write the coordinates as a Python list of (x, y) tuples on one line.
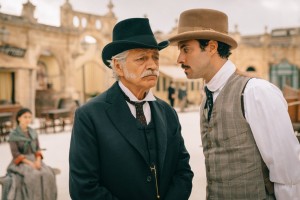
[(233, 162)]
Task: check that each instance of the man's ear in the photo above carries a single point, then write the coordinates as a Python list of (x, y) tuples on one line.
[(118, 67), (213, 47)]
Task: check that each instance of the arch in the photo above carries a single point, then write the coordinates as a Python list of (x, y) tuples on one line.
[(99, 37), (76, 21), (251, 69), (98, 24), (50, 71), (283, 74)]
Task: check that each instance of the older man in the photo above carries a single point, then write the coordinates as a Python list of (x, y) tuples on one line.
[(247, 136), (126, 143)]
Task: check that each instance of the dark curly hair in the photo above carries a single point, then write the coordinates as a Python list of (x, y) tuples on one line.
[(223, 49)]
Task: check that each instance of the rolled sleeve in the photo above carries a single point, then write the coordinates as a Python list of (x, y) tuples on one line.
[(39, 154), (19, 159)]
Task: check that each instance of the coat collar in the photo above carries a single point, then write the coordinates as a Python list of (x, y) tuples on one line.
[(221, 77), (118, 113), (149, 96)]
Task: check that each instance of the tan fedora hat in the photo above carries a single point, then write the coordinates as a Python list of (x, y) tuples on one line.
[(205, 24)]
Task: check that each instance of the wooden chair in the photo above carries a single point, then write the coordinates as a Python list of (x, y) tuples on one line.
[(6, 125)]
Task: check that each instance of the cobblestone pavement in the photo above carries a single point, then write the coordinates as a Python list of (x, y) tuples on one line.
[(57, 149)]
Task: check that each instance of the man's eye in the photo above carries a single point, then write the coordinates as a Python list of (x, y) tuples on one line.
[(141, 59), (155, 57), (185, 50)]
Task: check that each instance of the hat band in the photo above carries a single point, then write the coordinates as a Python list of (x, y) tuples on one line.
[(146, 39), (198, 28)]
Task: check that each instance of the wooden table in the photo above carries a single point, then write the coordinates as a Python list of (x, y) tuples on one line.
[(11, 108), (6, 124), (57, 115)]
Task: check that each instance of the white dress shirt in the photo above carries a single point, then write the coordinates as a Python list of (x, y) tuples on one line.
[(146, 106), (266, 113)]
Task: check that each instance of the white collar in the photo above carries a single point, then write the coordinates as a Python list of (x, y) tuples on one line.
[(221, 77), (149, 96)]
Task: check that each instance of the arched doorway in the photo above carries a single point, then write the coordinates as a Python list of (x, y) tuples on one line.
[(283, 74), (49, 78), (48, 73), (251, 69)]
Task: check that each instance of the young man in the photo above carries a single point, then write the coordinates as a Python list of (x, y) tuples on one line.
[(247, 136), (126, 143)]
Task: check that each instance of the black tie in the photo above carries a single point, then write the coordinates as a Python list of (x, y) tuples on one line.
[(209, 102), (139, 109)]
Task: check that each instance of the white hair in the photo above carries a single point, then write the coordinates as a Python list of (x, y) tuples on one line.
[(121, 57)]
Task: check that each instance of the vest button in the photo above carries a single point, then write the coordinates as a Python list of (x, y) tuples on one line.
[(149, 178)]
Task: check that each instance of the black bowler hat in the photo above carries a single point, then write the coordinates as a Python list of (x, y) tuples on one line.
[(129, 34)]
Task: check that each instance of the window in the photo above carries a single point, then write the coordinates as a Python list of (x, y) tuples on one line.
[(98, 24), (7, 93), (76, 21)]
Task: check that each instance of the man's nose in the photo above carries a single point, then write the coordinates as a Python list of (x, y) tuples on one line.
[(180, 59), (152, 64)]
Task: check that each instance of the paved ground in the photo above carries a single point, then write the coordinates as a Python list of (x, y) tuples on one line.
[(57, 148)]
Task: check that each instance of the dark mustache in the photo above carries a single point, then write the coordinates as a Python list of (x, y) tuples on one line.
[(184, 66)]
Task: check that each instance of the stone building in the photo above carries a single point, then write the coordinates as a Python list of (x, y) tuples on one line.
[(39, 64), (37, 59), (275, 56)]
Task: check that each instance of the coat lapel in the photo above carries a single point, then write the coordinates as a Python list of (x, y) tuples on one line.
[(159, 118), (120, 115)]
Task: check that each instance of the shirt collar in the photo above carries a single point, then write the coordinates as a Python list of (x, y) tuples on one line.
[(221, 77), (149, 96)]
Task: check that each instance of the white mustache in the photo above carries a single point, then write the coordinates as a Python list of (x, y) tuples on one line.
[(150, 73)]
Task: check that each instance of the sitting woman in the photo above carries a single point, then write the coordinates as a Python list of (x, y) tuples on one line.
[(31, 179)]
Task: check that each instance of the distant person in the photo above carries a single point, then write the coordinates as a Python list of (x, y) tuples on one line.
[(171, 93), (250, 149), (31, 178), (126, 143), (182, 97)]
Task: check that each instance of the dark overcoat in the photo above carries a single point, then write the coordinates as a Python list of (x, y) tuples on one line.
[(108, 161)]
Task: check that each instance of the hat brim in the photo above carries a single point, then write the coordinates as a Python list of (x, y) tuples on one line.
[(205, 35), (117, 47)]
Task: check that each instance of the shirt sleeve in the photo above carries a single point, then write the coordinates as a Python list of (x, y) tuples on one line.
[(267, 115), (17, 156)]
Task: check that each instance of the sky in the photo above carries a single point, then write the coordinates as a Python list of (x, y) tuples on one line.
[(251, 16)]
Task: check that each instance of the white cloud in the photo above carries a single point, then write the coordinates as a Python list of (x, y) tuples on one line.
[(271, 4)]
